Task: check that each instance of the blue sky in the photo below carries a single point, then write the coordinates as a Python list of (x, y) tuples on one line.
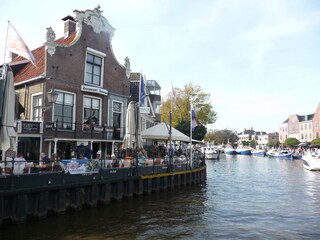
[(259, 59)]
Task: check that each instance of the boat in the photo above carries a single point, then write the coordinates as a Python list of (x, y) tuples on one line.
[(311, 162), (211, 153), (259, 152), (279, 154), (297, 156), (243, 151), (230, 151)]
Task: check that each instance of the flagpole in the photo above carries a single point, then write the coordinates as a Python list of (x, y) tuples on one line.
[(139, 100), (170, 147), (5, 46), (171, 95), (191, 160), (170, 144)]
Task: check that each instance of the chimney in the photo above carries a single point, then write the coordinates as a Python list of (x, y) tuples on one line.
[(69, 25)]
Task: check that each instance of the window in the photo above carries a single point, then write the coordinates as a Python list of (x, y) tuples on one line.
[(301, 127), (316, 125), (93, 69), (63, 110), (37, 107), (91, 109), (116, 109), (309, 126), (301, 136)]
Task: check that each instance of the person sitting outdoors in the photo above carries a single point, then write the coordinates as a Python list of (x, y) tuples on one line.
[(20, 158), (107, 162), (45, 160), (57, 165), (95, 164), (82, 156), (20, 163), (142, 159), (115, 161)]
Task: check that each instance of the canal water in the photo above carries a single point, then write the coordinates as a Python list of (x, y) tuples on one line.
[(244, 197)]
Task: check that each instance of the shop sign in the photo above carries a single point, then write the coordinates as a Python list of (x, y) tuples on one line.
[(30, 127), (145, 110), (91, 89), (49, 125)]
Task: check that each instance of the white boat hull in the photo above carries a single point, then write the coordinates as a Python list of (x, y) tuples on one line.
[(212, 155), (311, 163)]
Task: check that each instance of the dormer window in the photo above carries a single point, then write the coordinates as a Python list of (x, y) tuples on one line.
[(94, 67)]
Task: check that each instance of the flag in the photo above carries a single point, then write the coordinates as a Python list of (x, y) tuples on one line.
[(173, 94), (194, 122), (17, 45), (142, 91)]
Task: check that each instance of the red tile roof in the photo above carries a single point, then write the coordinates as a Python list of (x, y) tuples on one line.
[(29, 71)]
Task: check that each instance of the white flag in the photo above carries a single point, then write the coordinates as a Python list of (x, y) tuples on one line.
[(17, 45)]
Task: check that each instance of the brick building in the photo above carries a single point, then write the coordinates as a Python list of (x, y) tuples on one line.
[(305, 128), (92, 90)]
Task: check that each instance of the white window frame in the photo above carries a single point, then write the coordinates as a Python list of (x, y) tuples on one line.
[(100, 108), (98, 54), (74, 108), (32, 112)]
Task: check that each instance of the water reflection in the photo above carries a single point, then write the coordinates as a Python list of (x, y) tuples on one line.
[(245, 197)]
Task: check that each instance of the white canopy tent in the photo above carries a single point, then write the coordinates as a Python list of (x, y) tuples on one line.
[(161, 132)]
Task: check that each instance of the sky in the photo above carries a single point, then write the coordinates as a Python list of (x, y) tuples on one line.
[(258, 59)]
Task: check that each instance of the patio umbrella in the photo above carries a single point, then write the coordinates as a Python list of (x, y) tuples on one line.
[(7, 131), (130, 137)]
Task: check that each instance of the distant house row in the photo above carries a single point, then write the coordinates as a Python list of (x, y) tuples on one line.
[(262, 138), (305, 128)]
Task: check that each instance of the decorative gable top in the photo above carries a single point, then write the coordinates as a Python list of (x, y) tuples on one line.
[(95, 19)]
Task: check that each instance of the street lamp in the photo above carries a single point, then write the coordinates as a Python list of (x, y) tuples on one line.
[(52, 97)]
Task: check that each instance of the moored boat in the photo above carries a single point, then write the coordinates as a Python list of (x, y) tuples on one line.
[(297, 156), (230, 151), (259, 152), (243, 151), (279, 154), (311, 162), (211, 153)]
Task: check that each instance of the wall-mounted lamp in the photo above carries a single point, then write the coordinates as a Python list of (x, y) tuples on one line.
[(52, 97)]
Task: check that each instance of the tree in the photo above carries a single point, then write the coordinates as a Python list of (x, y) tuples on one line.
[(180, 107), (198, 134), (245, 143), (223, 136), (273, 144), (315, 141), (253, 143), (291, 142)]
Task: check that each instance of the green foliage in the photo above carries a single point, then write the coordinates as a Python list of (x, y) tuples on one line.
[(223, 136), (291, 142), (253, 144), (275, 144), (181, 106), (198, 134), (315, 141), (245, 143)]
